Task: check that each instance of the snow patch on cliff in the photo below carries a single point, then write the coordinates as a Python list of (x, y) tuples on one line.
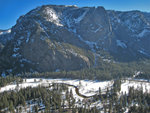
[(143, 33), (52, 16), (142, 51), (121, 44), (77, 20)]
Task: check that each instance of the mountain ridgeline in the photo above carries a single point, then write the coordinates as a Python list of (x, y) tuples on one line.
[(55, 38)]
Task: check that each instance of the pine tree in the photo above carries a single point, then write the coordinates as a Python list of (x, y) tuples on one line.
[(5, 101), (110, 108), (11, 107), (100, 93)]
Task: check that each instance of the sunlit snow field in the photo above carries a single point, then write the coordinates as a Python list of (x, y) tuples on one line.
[(86, 87)]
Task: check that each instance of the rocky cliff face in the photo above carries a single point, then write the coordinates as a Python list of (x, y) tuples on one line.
[(132, 32), (52, 38)]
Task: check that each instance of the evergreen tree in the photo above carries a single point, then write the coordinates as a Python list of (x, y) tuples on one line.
[(11, 107)]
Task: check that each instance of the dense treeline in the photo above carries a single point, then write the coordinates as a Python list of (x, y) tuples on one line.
[(104, 71), (144, 67), (12, 100), (50, 99), (139, 101), (9, 79), (136, 101), (92, 74), (57, 98)]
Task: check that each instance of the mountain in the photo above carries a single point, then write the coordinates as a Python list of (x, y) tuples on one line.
[(57, 37), (4, 37), (132, 32)]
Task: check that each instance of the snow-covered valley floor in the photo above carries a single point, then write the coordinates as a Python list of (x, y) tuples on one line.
[(86, 87)]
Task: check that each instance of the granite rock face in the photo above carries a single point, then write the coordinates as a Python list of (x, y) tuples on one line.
[(51, 38)]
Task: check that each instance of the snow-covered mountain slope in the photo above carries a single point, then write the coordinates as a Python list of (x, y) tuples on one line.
[(132, 30), (61, 37), (2, 32), (5, 36)]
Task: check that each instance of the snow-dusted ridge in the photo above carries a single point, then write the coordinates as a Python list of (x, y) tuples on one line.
[(52, 16), (5, 32)]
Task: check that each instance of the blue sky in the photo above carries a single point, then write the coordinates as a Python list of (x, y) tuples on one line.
[(10, 10)]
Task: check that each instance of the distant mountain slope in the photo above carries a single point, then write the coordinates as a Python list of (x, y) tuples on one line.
[(53, 38), (132, 32), (4, 37)]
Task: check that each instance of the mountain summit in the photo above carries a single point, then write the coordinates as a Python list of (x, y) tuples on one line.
[(54, 38)]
